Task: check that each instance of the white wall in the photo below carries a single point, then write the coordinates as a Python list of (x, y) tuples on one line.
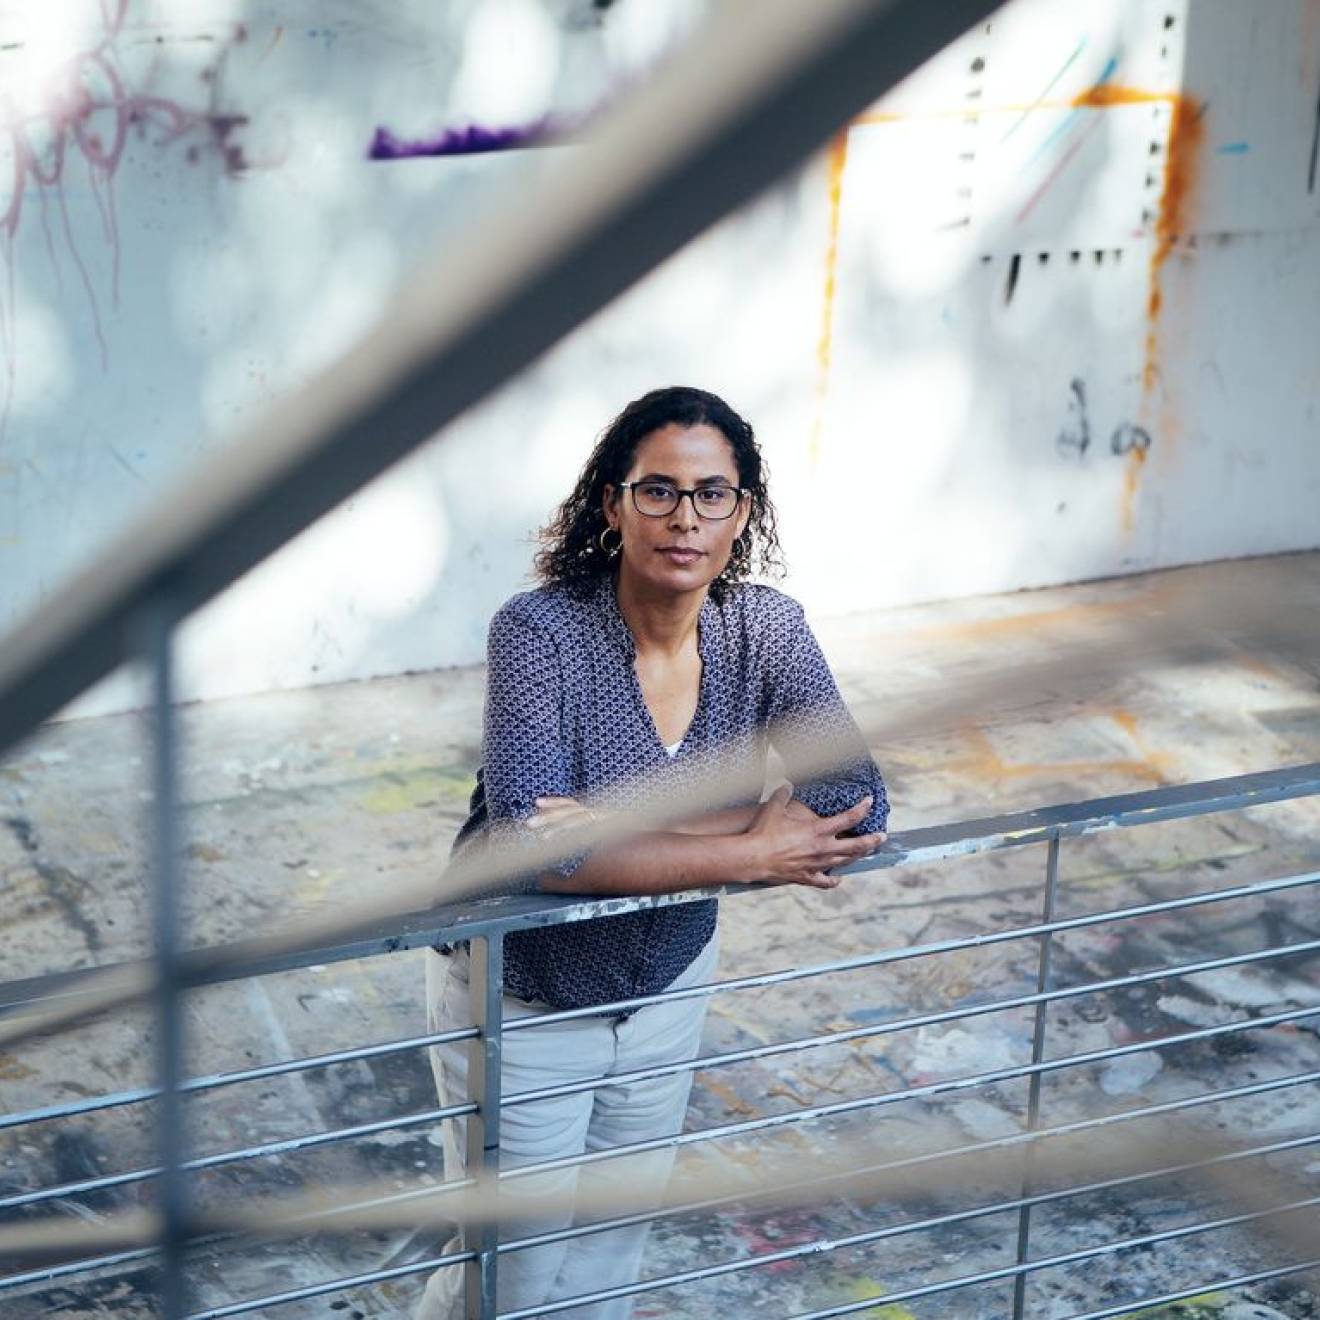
[(931, 434)]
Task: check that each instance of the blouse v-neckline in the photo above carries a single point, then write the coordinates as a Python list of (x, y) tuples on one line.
[(617, 626)]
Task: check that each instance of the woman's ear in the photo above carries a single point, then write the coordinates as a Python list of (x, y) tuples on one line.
[(609, 504)]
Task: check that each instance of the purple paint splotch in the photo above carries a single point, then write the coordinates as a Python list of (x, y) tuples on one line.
[(473, 140)]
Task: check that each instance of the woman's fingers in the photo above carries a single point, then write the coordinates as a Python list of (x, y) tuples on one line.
[(846, 820), (557, 813)]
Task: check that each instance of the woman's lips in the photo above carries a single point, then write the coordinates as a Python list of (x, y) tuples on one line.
[(681, 555)]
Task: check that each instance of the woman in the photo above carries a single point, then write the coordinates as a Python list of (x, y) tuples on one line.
[(643, 666)]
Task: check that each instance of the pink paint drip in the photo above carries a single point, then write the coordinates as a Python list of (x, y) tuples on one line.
[(88, 112)]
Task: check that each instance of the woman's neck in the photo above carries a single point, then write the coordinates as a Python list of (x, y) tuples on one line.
[(662, 623)]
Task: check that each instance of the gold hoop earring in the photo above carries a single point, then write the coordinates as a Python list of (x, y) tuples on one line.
[(609, 551)]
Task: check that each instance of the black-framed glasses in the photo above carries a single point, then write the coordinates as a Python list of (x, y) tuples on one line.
[(658, 499)]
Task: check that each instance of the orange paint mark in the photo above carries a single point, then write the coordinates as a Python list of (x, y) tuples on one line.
[(1106, 94), (1041, 621), (838, 160), (986, 764), (1136, 460), (1182, 164)]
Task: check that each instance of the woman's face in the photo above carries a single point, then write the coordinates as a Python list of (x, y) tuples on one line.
[(679, 551)]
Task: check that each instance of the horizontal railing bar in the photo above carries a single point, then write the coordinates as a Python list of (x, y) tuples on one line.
[(199, 1163), (1122, 811), (925, 1290), (958, 945), (912, 1225), (923, 1091), (1219, 1285), (212, 965), (100, 1102), (86, 1264), (50, 1273), (873, 1029), (258, 1073), (332, 1285)]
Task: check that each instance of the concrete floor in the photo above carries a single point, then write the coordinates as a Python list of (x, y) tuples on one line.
[(296, 801)]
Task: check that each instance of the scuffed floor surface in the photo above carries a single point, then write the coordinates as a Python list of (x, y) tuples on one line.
[(301, 801)]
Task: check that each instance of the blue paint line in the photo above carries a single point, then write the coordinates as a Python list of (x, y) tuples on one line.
[(1054, 82), (1106, 74), (1233, 149)]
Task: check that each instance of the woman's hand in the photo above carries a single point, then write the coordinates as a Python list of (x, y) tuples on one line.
[(555, 814), (793, 846)]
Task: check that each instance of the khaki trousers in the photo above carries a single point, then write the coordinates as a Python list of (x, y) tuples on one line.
[(611, 1114)]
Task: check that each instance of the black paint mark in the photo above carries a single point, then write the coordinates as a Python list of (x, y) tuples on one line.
[(1074, 256), (1014, 269), (1043, 258), (1128, 438), (1169, 21), (1315, 149), (1098, 256), (1075, 438), (978, 64), (62, 885)]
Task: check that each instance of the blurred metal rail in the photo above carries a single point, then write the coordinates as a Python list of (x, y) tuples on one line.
[(491, 920)]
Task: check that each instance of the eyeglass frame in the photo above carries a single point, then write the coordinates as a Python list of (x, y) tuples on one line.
[(691, 492)]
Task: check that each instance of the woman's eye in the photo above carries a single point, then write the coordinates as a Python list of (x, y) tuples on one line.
[(656, 491), (713, 495)]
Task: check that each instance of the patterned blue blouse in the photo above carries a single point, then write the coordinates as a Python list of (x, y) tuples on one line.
[(565, 715)]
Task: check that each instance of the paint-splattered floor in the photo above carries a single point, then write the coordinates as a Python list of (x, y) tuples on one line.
[(299, 800)]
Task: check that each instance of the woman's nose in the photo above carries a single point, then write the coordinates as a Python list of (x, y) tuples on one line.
[(685, 511)]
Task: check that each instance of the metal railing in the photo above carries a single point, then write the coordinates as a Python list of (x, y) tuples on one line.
[(485, 924)]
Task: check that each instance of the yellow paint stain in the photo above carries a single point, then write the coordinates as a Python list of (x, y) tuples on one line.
[(838, 160), (411, 789), (862, 1288), (1184, 1310)]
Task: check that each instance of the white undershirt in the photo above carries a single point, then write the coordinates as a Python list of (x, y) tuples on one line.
[(672, 749)]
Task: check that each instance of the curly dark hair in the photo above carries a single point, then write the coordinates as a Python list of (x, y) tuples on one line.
[(571, 553)]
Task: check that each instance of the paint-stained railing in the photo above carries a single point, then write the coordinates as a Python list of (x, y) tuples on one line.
[(486, 923)]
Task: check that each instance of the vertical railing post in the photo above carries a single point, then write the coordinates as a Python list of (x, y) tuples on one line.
[(1037, 1056), (155, 637), (486, 979)]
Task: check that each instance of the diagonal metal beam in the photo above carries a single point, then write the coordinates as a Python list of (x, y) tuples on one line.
[(755, 91)]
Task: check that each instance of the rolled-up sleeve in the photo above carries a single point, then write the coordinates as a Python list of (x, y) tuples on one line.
[(823, 750), (525, 756)]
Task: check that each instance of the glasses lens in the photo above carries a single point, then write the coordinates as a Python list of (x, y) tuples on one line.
[(655, 498), (716, 501)]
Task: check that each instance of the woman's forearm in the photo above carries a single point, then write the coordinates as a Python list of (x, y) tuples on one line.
[(729, 820), (663, 862)]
